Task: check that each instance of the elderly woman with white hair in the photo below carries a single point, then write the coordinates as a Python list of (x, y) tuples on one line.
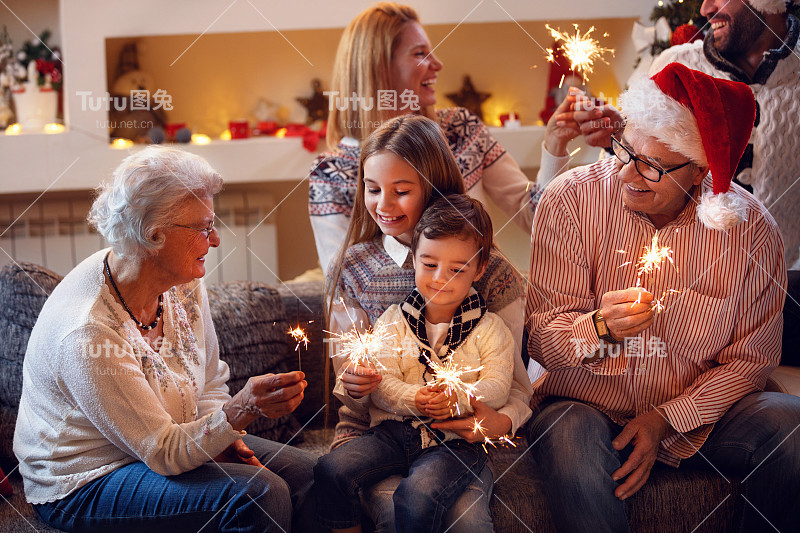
[(125, 420)]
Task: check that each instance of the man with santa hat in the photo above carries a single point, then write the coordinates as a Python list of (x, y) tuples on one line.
[(665, 363), (756, 42)]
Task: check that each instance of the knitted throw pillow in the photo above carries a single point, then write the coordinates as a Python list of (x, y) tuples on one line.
[(24, 287)]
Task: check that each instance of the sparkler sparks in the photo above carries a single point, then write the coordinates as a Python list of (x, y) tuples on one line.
[(363, 348), (299, 335), (448, 377), (581, 50), (650, 261), (652, 258), (478, 428)]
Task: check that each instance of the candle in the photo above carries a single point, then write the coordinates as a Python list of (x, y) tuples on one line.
[(512, 122)]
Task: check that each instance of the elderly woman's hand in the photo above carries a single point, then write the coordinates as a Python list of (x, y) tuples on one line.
[(270, 395), (239, 452)]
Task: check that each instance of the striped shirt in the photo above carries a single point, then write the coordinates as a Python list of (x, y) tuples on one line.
[(714, 342)]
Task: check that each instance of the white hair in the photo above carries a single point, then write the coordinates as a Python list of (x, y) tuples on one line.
[(651, 112), (143, 195)]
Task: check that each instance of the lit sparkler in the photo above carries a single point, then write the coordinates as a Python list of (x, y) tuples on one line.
[(650, 261), (581, 50), (448, 377), (363, 348), (652, 258), (299, 335), (478, 428)]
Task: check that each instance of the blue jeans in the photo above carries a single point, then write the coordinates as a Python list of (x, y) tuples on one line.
[(754, 441), (434, 477), (469, 514), (213, 497)]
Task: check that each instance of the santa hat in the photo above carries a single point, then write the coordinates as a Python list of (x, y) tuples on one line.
[(706, 119), (770, 7)]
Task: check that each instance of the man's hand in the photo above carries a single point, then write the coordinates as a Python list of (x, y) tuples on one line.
[(494, 424), (645, 432), (624, 317), (359, 380), (239, 452), (270, 395)]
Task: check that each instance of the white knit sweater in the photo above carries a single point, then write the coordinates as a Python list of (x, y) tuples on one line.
[(96, 397), (490, 344), (776, 144)]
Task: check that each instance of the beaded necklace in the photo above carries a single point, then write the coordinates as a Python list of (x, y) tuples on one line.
[(159, 312)]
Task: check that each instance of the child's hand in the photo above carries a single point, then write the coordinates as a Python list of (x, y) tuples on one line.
[(421, 399), (359, 380), (440, 405)]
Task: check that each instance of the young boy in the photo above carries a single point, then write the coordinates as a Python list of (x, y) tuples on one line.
[(444, 320)]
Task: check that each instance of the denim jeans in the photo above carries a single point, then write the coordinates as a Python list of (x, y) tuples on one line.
[(434, 477), (754, 441), (215, 497), (469, 514)]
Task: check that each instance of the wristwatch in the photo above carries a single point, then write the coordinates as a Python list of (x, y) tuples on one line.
[(602, 328)]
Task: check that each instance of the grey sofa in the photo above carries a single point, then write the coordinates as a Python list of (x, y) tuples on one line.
[(252, 320)]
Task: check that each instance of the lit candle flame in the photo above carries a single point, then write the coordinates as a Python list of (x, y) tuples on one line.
[(581, 50)]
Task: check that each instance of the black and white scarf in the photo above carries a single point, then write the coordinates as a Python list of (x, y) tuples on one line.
[(466, 317)]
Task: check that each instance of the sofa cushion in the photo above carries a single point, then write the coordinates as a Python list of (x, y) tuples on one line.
[(24, 287), (251, 327)]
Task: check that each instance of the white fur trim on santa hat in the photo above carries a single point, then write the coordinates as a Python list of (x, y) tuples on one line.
[(651, 112), (770, 7), (722, 211)]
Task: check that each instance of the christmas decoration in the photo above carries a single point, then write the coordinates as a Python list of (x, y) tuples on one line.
[(138, 106), (33, 75), (317, 105), (469, 98), (685, 33), (677, 13)]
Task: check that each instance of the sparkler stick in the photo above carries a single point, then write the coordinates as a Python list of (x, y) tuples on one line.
[(581, 50), (299, 334)]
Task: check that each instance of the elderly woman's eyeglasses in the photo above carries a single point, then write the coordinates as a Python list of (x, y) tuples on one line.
[(205, 231), (648, 171)]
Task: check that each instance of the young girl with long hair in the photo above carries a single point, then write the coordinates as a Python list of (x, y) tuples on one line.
[(404, 164)]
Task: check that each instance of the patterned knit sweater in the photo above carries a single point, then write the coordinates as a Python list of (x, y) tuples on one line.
[(332, 180), (771, 163), (96, 396), (373, 282), (488, 346)]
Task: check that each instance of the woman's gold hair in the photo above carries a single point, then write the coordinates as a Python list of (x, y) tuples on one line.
[(363, 66)]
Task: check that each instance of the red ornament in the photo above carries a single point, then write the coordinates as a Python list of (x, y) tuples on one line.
[(685, 33)]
